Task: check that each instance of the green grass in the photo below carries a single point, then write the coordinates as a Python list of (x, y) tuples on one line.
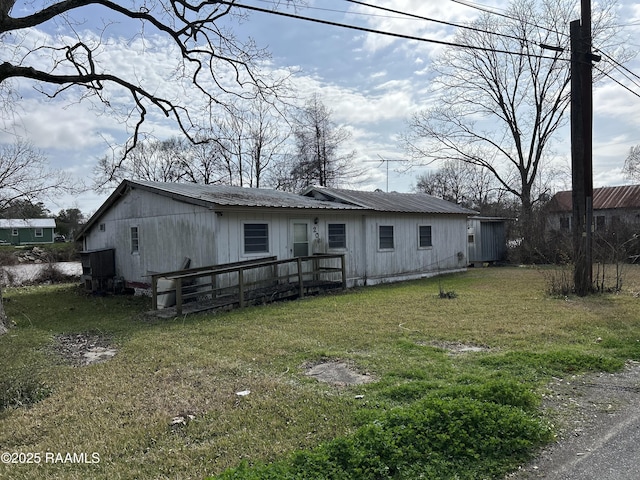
[(473, 415)]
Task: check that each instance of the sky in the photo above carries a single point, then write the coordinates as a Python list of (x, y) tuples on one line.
[(371, 83)]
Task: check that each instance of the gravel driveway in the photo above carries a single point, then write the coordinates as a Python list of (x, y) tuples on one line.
[(598, 416)]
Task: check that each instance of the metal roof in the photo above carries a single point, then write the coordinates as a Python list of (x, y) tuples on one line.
[(604, 198), (389, 201), (27, 223), (314, 198), (224, 195)]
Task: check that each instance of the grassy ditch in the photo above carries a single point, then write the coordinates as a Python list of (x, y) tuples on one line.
[(167, 404)]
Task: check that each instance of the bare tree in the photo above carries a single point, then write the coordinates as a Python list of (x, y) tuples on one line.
[(631, 167), (459, 182), (318, 157), (238, 150), (500, 110), (210, 60), (25, 176)]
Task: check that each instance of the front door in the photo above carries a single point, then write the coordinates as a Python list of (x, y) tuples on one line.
[(300, 240)]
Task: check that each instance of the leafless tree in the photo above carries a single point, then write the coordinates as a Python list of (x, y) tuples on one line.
[(25, 176), (631, 167), (210, 59), (461, 183), (318, 156), (500, 110)]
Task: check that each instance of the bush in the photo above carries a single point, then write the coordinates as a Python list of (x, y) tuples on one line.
[(463, 433)]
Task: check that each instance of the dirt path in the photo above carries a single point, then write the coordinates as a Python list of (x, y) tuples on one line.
[(598, 416)]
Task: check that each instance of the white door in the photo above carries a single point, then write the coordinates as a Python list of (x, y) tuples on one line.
[(299, 238)]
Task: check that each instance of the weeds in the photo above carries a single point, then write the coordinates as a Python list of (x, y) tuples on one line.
[(21, 387)]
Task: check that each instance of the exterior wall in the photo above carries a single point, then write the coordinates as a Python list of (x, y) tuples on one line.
[(407, 260), (489, 241), (606, 218), (366, 263), (26, 236), (168, 231)]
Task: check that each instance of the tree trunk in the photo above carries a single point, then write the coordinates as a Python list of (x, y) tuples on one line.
[(4, 323)]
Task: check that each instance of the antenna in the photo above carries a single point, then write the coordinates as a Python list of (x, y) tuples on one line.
[(387, 160)]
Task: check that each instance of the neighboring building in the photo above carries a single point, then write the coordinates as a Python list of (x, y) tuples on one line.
[(612, 206), (152, 227), (487, 240), (27, 231)]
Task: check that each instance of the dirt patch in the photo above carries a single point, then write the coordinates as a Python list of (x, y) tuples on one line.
[(84, 348), (457, 347), (337, 372)]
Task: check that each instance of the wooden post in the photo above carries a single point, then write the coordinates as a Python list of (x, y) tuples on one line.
[(179, 296), (241, 286), (300, 280), (154, 292), (581, 149)]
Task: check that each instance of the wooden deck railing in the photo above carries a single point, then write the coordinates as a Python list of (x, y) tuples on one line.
[(301, 272)]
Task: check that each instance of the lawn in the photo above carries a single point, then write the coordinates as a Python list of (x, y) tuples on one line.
[(167, 404)]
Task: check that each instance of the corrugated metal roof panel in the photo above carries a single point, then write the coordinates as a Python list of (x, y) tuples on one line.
[(390, 201), (27, 223), (604, 198), (223, 195)]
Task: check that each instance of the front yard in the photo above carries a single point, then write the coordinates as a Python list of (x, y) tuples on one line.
[(196, 396)]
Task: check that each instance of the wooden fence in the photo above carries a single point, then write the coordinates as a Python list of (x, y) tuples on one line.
[(249, 282)]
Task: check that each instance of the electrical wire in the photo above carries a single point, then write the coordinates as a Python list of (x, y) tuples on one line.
[(381, 32), (442, 22), (482, 8)]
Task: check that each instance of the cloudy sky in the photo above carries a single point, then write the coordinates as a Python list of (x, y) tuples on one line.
[(372, 83)]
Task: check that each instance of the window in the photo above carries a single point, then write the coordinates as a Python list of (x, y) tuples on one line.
[(471, 238), (14, 232), (102, 227), (39, 232), (256, 238), (135, 240), (337, 235), (424, 236), (385, 237)]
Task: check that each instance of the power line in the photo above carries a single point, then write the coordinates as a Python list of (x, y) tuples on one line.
[(485, 9), (380, 32), (442, 22)]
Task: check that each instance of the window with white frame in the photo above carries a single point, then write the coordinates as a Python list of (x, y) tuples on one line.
[(256, 238), (135, 240), (337, 233), (39, 232), (424, 236), (385, 237), (14, 232)]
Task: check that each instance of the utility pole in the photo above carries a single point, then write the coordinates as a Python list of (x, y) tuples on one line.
[(581, 148)]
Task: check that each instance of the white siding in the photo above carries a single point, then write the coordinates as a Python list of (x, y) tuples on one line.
[(168, 231)]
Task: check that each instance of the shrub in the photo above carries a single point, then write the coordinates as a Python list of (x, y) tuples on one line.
[(483, 431)]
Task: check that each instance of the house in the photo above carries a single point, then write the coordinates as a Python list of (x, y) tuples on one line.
[(612, 207), (27, 231), (153, 227), (487, 239)]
